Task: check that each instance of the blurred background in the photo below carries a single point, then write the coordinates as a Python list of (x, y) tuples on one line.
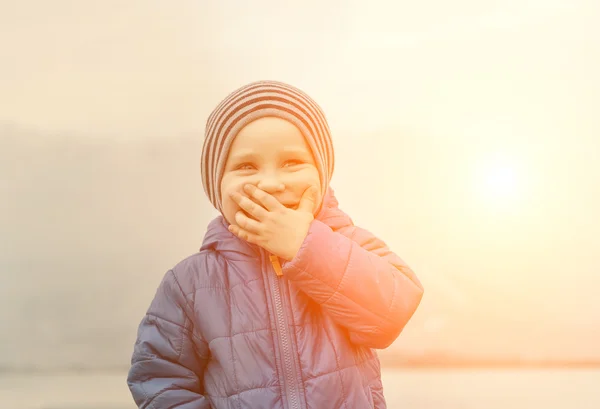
[(466, 137)]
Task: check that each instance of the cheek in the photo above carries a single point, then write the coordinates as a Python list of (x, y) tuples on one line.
[(229, 207), (228, 210), (308, 177)]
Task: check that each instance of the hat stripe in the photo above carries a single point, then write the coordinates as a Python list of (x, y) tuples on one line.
[(236, 98), (218, 111), (322, 121), (323, 125)]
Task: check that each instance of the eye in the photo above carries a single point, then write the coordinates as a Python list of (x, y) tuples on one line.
[(244, 166), (293, 162)]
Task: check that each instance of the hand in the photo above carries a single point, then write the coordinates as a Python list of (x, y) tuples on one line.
[(272, 226)]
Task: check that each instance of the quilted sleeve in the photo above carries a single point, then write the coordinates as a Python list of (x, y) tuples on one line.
[(168, 359), (360, 283)]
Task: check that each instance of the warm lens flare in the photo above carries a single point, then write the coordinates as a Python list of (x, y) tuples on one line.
[(499, 182)]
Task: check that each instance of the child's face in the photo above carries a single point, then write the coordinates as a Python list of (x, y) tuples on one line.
[(269, 153)]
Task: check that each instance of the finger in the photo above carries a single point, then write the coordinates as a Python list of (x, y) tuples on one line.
[(249, 206), (243, 234), (308, 200), (265, 199), (248, 223)]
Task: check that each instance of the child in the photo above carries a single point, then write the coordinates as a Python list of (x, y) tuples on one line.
[(286, 301)]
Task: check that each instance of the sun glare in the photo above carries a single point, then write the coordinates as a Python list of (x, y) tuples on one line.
[(498, 182), (501, 181)]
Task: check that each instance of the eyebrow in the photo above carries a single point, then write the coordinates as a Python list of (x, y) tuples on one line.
[(295, 151), (248, 155)]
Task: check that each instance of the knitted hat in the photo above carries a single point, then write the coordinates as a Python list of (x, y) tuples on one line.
[(257, 100)]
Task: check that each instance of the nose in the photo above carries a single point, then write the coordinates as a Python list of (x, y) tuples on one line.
[(271, 184)]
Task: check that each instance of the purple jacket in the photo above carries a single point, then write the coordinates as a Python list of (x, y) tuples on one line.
[(224, 331)]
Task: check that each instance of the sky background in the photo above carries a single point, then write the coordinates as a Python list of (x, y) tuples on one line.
[(466, 136)]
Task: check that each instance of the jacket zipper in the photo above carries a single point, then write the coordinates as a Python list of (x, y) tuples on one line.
[(289, 363)]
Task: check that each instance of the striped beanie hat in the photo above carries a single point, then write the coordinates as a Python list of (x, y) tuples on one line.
[(253, 101)]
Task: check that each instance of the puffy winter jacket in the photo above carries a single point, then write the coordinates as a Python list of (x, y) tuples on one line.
[(225, 330)]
